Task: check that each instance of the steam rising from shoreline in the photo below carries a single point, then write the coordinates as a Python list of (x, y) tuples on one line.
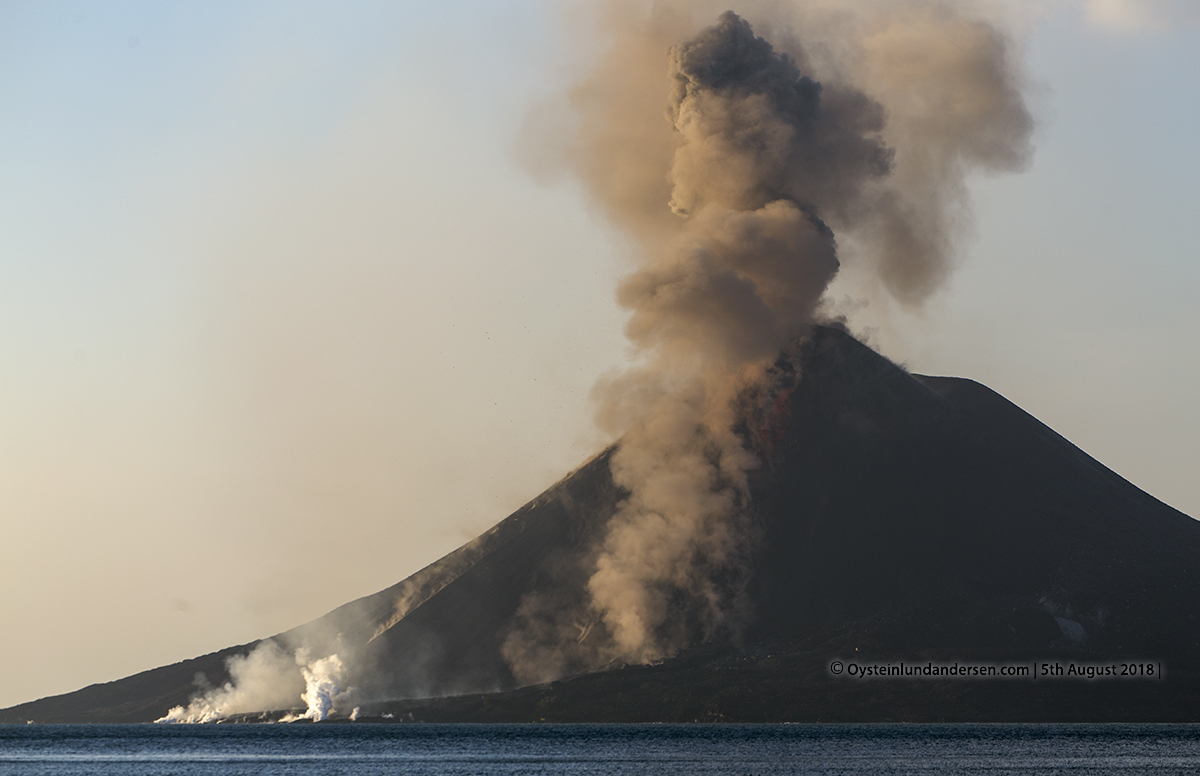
[(733, 200), (269, 679)]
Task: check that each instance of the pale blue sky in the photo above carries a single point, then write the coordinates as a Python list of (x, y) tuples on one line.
[(282, 320)]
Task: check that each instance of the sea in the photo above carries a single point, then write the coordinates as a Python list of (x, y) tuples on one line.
[(364, 749)]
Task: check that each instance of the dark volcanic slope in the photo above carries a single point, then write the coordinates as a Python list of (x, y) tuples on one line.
[(902, 517), (960, 520)]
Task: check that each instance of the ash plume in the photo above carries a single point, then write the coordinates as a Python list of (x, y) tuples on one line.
[(732, 161)]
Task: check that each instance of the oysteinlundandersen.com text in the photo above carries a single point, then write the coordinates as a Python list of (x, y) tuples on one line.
[(1051, 669)]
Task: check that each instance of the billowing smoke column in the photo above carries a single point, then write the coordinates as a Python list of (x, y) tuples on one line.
[(762, 151), (733, 200)]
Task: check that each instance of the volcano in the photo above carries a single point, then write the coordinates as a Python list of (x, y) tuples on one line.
[(903, 519)]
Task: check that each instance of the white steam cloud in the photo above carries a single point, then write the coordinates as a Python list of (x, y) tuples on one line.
[(323, 693), (270, 679)]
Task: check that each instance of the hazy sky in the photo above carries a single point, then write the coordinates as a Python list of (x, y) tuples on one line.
[(282, 319)]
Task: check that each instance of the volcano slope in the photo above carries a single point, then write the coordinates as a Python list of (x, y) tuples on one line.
[(900, 517)]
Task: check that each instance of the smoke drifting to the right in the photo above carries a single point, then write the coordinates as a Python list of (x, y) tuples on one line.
[(733, 154)]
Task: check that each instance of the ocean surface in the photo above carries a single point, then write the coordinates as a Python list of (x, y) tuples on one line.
[(665, 750)]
